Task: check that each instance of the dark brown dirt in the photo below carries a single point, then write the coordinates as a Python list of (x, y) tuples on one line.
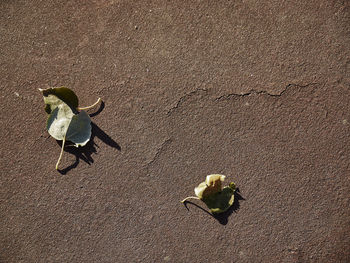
[(256, 90)]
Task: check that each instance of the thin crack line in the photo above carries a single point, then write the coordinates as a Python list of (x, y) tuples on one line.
[(158, 152), (264, 92), (182, 99)]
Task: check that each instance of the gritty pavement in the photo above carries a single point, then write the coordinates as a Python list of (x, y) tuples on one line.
[(256, 90)]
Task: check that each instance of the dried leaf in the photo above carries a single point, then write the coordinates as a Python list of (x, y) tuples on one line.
[(211, 185), (218, 200), (59, 121), (64, 94), (79, 130), (65, 122)]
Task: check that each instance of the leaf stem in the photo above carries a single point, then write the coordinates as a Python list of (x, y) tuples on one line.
[(190, 197), (91, 106), (59, 159)]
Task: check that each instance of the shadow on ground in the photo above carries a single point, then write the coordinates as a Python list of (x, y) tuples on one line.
[(223, 217), (85, 153)]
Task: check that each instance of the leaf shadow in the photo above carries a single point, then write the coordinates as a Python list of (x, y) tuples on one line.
[(85, 153), (222, 218)]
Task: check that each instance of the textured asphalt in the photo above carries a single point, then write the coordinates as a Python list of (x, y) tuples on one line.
[(256, 90)]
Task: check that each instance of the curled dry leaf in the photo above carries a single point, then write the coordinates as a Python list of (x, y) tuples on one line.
[(210, 191), (66, 121)]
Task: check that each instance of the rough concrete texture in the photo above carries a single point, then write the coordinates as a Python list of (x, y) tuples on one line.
[(256, 90)]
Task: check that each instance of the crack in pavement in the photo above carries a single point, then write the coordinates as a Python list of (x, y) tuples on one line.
[(231, 95), (263, 92), (220, 98), (158, 152), (183, 98)]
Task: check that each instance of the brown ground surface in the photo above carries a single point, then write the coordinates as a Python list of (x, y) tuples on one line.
[(256, 90)]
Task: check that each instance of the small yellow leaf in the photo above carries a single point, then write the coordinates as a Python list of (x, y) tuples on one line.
[(211, 185)]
